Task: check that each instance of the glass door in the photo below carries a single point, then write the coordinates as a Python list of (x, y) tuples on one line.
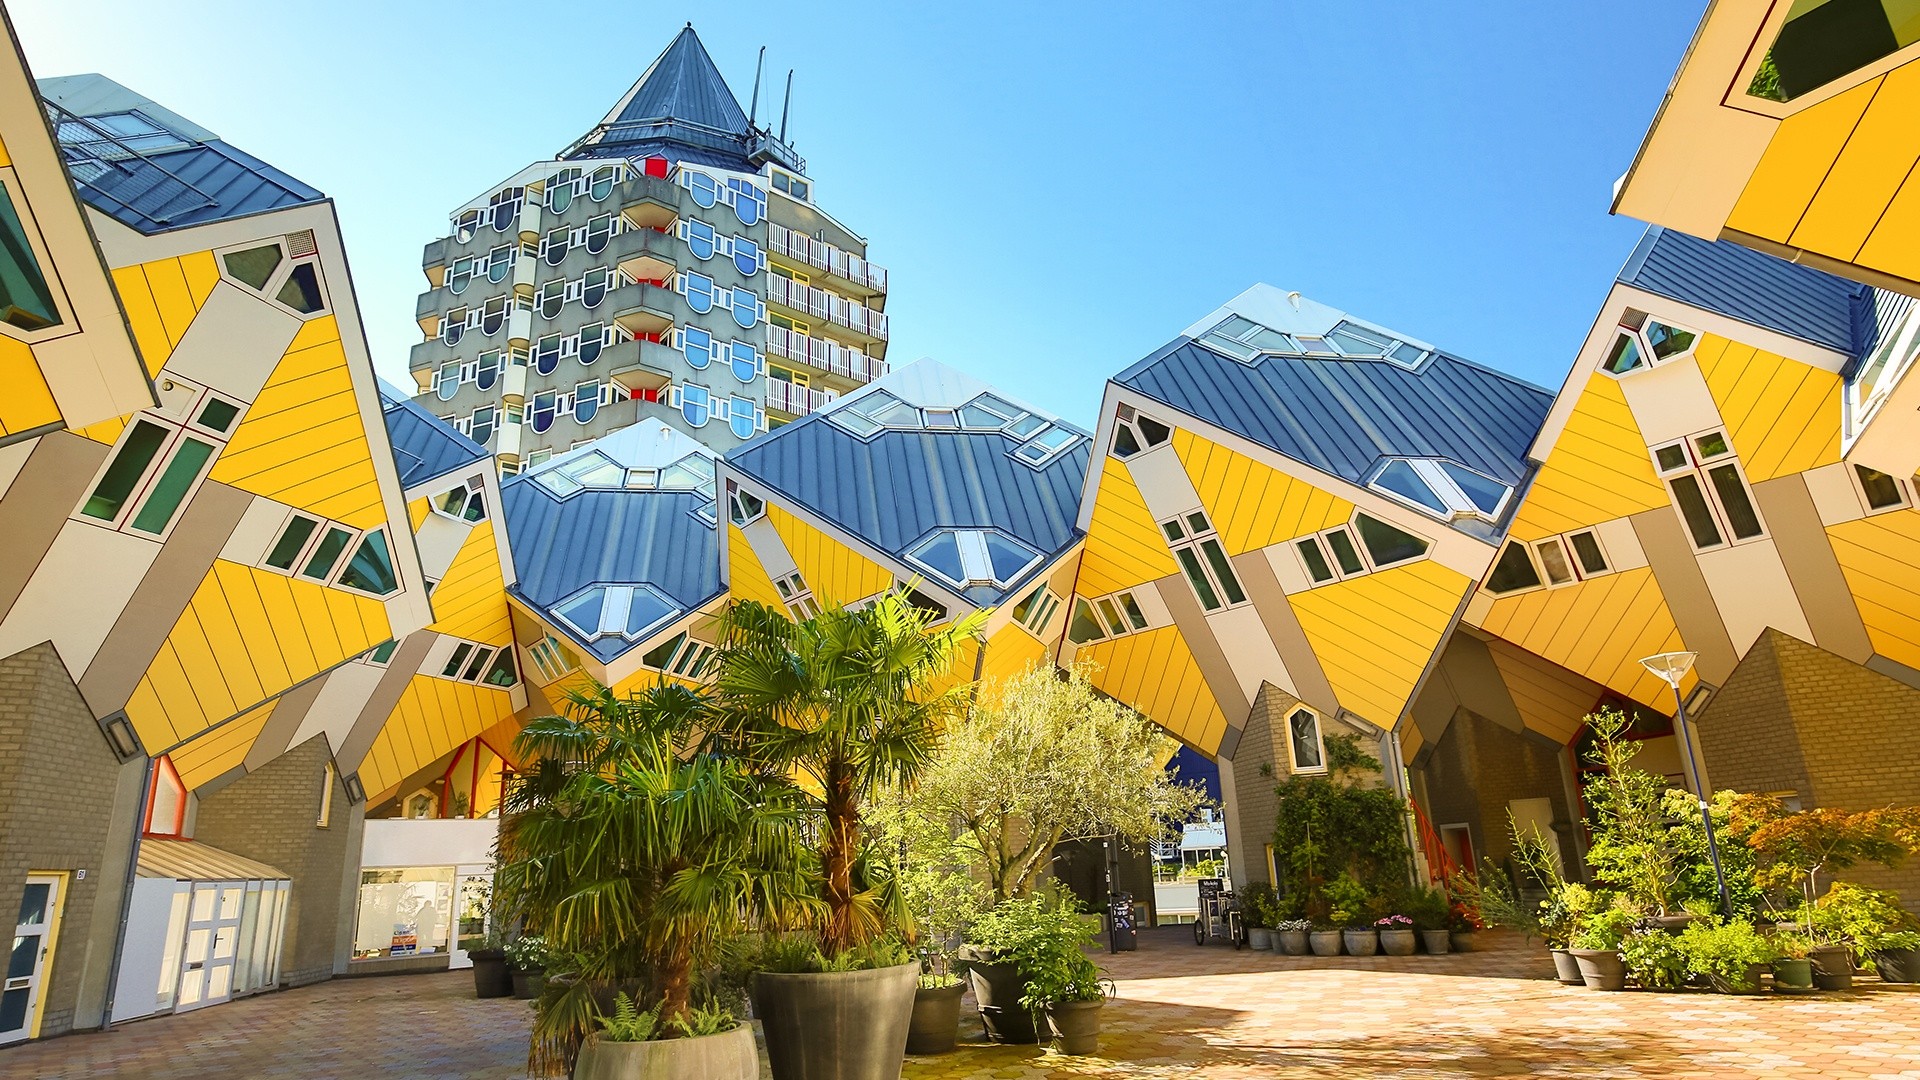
[(213, 935), (27, 963)]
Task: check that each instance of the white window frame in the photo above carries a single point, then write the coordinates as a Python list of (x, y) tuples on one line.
[(1319, 738), (1577, 569), (1698, 466), (1196, 540), (177, 431), (549, 660), (471, 491), (1901, 346), (797, 596), (1128, 419), (1041, 605), (1905, 487), (1459, 503), (278, 279), (1648, 358)]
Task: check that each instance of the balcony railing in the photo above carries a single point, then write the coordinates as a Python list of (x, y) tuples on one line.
[(832, 307), (826, 258), (798, 400), (831, 356)]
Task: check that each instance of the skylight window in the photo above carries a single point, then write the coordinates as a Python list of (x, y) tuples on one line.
[(596, 470), (1640, 342), (1246, 340), (1442, 488), (1049, 442), (965, 557), (626, 611)]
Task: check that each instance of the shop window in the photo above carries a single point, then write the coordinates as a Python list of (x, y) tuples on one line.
[(1306, 751), (1196, 547), (1821, 42), (404, 912), (26, 300), (1709, 491), (1035, 611)]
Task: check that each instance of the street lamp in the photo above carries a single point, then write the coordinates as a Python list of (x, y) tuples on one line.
[(1670, 668)]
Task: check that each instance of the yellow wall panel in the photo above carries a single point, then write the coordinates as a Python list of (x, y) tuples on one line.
[(417, 511), (1374, 635), (1010, 652), (1599, 628), (433, 718), (836, 573), (1155, 673), (1868, 172), (143, 317), (26, 403), (470, 601), (201, 274), (1124, 546), (1894, 246), (168, 283), (1250, 504), (746, 578), (106, 431), (1598, 469), (1804, 147), (221, 749), (1880, 557), (1783, 416)]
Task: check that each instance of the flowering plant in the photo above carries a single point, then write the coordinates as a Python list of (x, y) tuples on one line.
[(1301, 925), (1393, 922)]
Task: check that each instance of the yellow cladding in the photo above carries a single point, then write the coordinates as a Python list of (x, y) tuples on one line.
[(417, 511), (27, 403), (1599, 628), (1124, 546), (1880, 556), (1010, 652), (966, 657), (470, 601), (746, 578), (161, 298), (1375, 634), (836, 573), (222, 748), (1251, 505), (1783, 416), (247, 634), (1155, 672), (1598, 469), (302, 442), (1552, 700), (1838, 178), (433, 718)]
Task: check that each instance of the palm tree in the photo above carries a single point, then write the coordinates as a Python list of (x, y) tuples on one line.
[(639, 857), (846, 703)]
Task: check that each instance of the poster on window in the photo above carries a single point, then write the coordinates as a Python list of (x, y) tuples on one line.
[(406, 939)]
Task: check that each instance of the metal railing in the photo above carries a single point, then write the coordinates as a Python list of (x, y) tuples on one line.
[(798, 400), (825, 257), (821, 354), (832, 307)]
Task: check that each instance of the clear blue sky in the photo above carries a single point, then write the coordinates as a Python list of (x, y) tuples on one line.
[(1058, 188)]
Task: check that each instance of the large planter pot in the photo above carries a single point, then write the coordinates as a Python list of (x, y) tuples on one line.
[(1793, 976), (1673, 924), (936, 1019), (1259, 937), (1291, 942), (727, 1056), (1832, 967), (1360, 942), (997, 988), (1325, 942), (491, 977), (1073, 1027), (1898, 965), (1745, 984), (1566, 969), (836, 1025), (1601, 969), (1436, 941), (1397, 942), (528, 984), (1462, 941)]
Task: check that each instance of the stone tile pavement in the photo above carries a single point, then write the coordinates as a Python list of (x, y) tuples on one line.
[(1183, 1013)]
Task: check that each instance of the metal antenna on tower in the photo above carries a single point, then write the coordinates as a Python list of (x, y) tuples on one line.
[(784, 109), (753, 111)]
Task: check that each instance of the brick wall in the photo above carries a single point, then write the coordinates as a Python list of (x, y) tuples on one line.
[(1258, 764), (1478, 767), (270, 815), (65, 806), (1795, 717)]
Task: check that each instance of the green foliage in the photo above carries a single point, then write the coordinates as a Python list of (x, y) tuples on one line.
[(1603, 930), (527, 953), (1792, 945), (1427, 908), (1655, 960), (1630, 850), (1345, 757), (1347, 902), (1867, 920), (801, 952), (1205, 868), (1792, 849), (701, 1021), (1257, 904), (1494, 899), (1562, 910), (1337, 824), (944, 901), (629, 1024), (1725, 951), (1695, 885), (1045, 938)]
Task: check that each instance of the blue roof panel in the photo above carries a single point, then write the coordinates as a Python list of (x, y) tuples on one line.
[(1754, 287), (424, 446)]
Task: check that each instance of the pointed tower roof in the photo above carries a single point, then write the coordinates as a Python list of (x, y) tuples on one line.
[(681, 108)]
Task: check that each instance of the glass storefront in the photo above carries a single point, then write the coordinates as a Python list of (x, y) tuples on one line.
[(404, 912)]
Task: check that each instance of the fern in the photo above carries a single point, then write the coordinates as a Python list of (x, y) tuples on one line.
[(628, 1023), (712, 1020)]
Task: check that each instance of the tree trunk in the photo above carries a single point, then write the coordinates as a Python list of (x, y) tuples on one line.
[(842, 841), (676, 983)]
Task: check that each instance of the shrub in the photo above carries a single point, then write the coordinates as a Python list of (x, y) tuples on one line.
[(1655, 960), (1347, 902), (528, 953), (1257, 904), (1724, 951), (1562, 910), (629, 1024), (1427, 907), (1867, 920), (1045, 939), (1603, 930), (1327, 826)]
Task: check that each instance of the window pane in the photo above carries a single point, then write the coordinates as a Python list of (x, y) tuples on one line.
[(1742, 518), (1553, 558), (1486, 494), (583, 611), (217, 415), (1386, 544), (1823, 40), (1124, 444), (1303, 732), (1007, 557), (288, 547), (1132, 608), (1668, 340), (1345, 553), (1115, 625), (371, 568), (1316, 560), (25, 299), (1191, 564), (1400, 479), (1624, 356), (1174, 530), (1197, 521), (1083, 628), (941, 554), (1882, 490), (1712, 445), (1513, 571), (1587, 550), (459, 657), (383, 652), (480, 657), (661, 655), (170, 490), (1223, 569), (1670, 458), (125, 472), (644, 611), (254, 265), (327, 553), (1021, 609), (1693, 508), (302, 290), (1153, 431)]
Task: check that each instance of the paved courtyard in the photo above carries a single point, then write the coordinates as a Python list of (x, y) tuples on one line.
[(1182, 1012)]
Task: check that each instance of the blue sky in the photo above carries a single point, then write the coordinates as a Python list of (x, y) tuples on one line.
[(1057, 188)]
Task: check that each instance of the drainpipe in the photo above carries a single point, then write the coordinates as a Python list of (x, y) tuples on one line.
[(126, 894)]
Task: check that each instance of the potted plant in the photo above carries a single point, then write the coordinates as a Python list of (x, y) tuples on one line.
[(1396, 935), (709, 1043), (527, 959), (1730, 955), (1596, 948), (1325, 939), (491, 976), (944, 902), (1258, 910), (1872, 923), (1792, 970), (1832, 963), (1653, 958), (1347, 901), (1463, 923), (1428, 909), (1036, 941), (1290, 937), (1560, 915)]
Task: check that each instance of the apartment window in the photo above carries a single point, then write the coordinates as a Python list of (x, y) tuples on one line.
[(1111, 616), (744, 507), (480, 424), (1361, 546), (370, 570), (1821, 42), (166, 800), (698, 289), (290, 280), (965, 557), (1551, 562), (681, 655), (586, 401), (1196, 547), (552, 658), (464, 503), (697, 345), (1442, 488), (1306, 751), (1640, 342), (699, 237), (1134, 431), (796, 595), (1881, 491), (325, 816), (1513, 571), (1035, 611), (157, 467), (1708, 490), (380, 655), (26, 301), (1884, 367), (627, 611), (788, 184)]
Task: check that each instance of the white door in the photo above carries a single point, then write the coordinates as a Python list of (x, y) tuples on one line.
[(213, 937), (27, 963)]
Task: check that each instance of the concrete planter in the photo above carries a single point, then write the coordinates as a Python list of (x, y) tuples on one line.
[(1360, 942), (1565, 969), (997, 987), (1073, 1027), (1832, 967), (1325, 942), (727, 1056), (1793, 976), (936, 1019), (528, 984), (1462, 941), (1290, 942), (1601, 969), (491, 978), (1260, 938), (1397, 942), (1748, 983), (836, 1025), (1898, 965), (1436, 941)]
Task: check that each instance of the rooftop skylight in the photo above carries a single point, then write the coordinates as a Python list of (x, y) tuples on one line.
[(1442, 489), (1246, 340), (597, 471), (965, 557)]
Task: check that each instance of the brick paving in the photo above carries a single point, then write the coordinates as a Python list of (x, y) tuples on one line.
[(1183, 1012)]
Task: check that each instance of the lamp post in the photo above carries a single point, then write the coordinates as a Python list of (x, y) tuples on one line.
[(1670, 668)]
